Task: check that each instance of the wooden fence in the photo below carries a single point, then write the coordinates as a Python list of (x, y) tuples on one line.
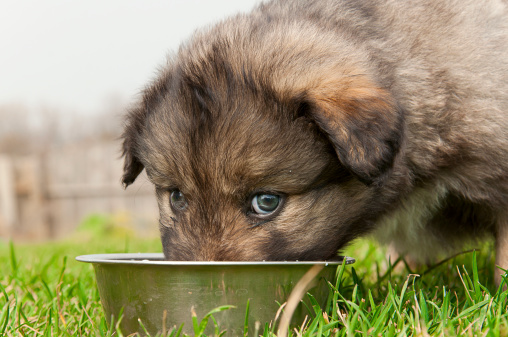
[(47, 195)]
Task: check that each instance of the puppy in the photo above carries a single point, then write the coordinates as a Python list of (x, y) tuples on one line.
[(286, 133)]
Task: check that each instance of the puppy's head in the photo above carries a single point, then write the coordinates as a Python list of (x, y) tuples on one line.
[(262, 145)]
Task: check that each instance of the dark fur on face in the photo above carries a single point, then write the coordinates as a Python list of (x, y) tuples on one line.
[(359, 117)]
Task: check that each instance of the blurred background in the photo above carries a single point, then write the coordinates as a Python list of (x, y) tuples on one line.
[(68, 72)]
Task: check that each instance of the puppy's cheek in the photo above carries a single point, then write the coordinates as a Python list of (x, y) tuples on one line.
[(297, 229), (167, 219), (163, 203), (176, 247), (168, 228), (244, 244), (311, 225), (165, 234)]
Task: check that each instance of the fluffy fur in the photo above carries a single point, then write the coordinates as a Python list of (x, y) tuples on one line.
[(385, 116)]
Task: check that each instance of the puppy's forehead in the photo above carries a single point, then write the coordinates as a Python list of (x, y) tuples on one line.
[(237, 142), (224, 118)]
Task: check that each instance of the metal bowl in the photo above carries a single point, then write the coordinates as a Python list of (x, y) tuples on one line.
[(163, 294)]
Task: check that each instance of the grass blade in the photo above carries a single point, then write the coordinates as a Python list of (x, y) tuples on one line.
[(143, 327), (476, 282), (14, 263), (471, 309), (4, 326), (204, 322), (179, 332), (219, 309), (195, 324), (246, 321), (4, 292), (424, 311)]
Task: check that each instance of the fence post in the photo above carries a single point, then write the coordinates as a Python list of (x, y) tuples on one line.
[(8, 202)]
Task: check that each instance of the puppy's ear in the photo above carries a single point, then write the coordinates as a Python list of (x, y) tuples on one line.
[(362, 121), (135, 125), (132, 165)]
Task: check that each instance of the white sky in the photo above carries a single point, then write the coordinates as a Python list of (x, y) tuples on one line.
[(76, 55)]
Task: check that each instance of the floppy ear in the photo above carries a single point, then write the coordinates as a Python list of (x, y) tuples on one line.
[(132, 166), (135, 124), (363, 123)]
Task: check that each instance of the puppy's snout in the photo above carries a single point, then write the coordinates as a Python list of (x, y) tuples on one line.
[(199, 243), (211, 253), (205, 251)]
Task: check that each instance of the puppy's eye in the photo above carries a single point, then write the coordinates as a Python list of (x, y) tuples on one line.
[(178, 201), (265, 204)]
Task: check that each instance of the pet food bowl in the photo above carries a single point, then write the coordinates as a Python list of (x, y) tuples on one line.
[(163, 294)]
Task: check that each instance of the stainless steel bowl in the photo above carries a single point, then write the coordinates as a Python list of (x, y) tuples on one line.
[(163, 294)]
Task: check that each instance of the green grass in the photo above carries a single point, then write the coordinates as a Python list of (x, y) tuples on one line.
[(45, 292)]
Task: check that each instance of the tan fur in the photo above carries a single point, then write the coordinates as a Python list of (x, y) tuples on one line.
[(417, 210), (364, 116)]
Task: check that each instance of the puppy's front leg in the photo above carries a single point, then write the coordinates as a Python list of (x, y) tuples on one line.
[(501, 248)]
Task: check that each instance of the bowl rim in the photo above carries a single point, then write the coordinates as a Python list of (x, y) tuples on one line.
[(158, 259)]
